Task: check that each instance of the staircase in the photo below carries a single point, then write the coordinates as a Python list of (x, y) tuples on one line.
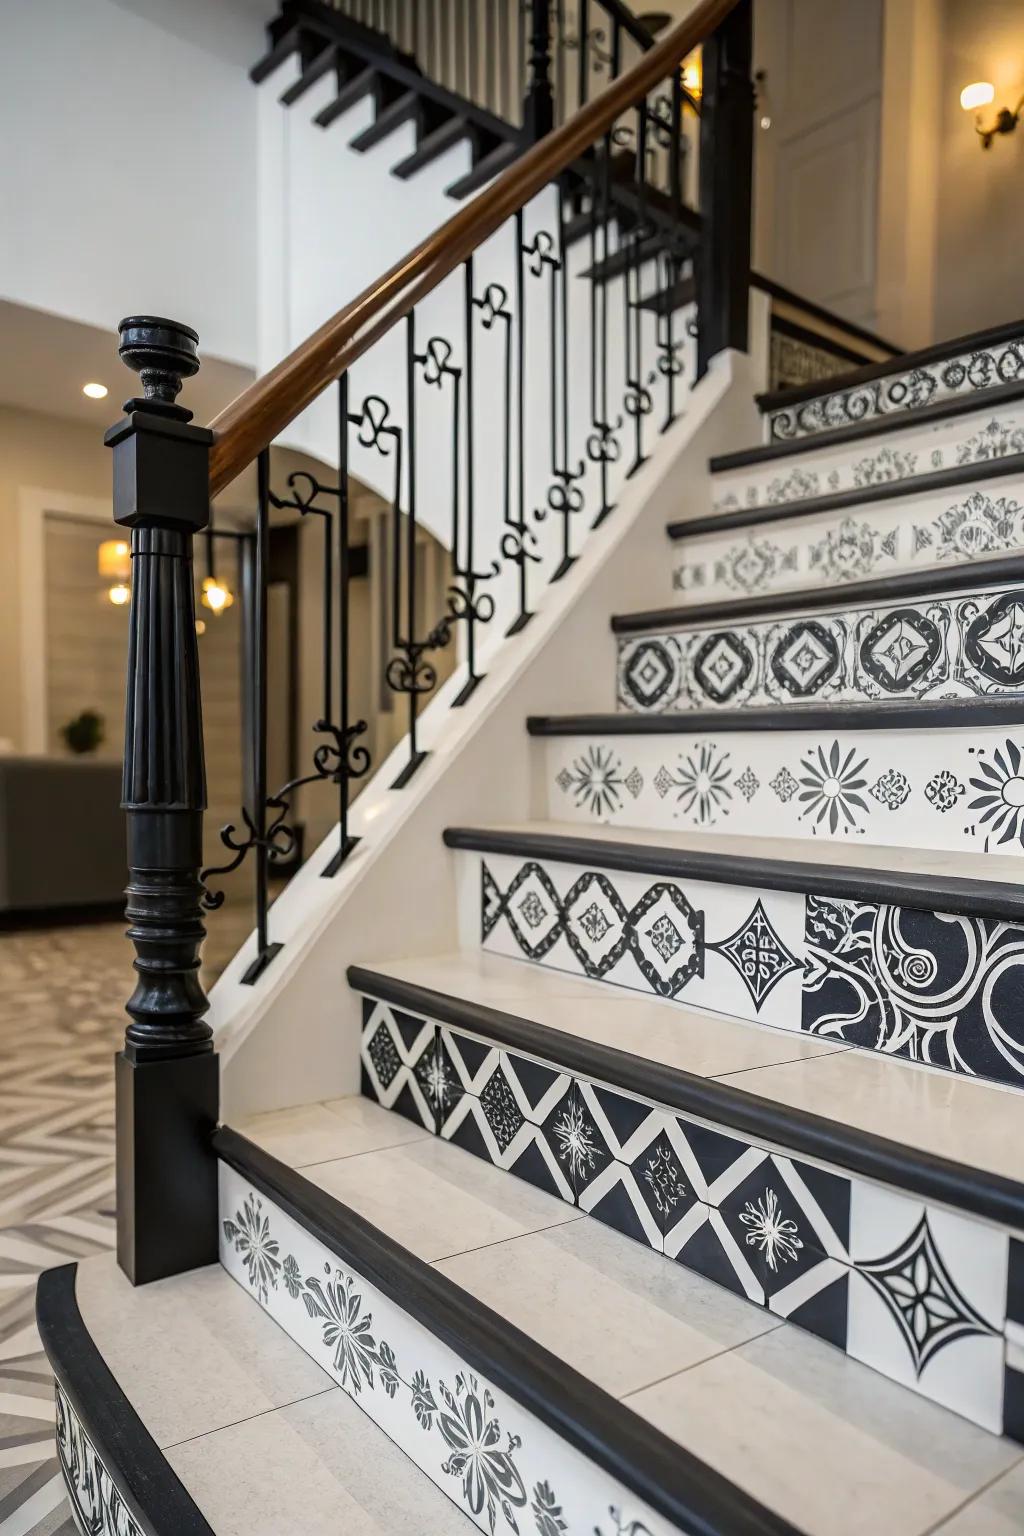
[(683, 1192)]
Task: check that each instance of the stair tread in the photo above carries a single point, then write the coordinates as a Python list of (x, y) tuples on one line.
[(653, 1335), (261, 1437), (928, 863), (960, 1119)]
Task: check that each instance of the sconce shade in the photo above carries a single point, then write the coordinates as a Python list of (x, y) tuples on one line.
[(114, 559), (976, 95)]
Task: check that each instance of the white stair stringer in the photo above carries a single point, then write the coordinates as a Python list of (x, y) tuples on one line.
[(277, 1040)]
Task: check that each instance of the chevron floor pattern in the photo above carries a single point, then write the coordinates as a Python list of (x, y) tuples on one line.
[(62, 994)]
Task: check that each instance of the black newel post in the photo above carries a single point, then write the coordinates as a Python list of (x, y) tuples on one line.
[(726, 160), (539, 106), (166, 1076)]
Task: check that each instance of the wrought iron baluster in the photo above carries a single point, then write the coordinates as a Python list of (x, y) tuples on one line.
[(583, 34), (354, 759), (565, 495), (603, 446)]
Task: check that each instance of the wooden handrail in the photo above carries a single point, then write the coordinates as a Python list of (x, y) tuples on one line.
[(252, 421)]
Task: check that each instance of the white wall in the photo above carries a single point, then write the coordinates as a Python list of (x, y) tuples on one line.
[(128, 177)]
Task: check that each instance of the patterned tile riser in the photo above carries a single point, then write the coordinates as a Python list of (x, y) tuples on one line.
[(968, 373), (915, 1291), (883, 786), (924, 986), (859, 544), (967, 646), (496, 1461), (918, 449), (96, 1501)]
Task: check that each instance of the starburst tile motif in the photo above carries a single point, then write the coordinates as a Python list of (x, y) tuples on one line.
[(774, 1235), (758, 955), (831, 788), (922, 1297), (891, 789), (702, 780), (748, 783), (576, 1138), (596, 781), (944, 790), (784, 785), (1000, 797)]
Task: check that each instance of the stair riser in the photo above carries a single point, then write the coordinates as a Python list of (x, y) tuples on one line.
[(941, 647), (924, 986), (959, 789), (971, 372), (976, 437), (708, 1199), (414, 1387), (949, 527)]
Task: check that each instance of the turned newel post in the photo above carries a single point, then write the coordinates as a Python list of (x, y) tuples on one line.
[(539, 106), (166, 1076)]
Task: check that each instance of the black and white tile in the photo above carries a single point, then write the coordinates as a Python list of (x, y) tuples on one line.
[(96, 1501), (932, 648), (937, 988), (966, 373), (919, 448), (400, 1068), (877, 539), (918, 1292), (882, 786), (499, 1463)]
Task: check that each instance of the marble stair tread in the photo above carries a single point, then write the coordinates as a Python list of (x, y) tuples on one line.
[(960, 1120), (637, 1328), (925, 864), (261, 1437)]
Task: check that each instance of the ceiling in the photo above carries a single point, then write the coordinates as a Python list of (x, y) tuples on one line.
[(45, 359)]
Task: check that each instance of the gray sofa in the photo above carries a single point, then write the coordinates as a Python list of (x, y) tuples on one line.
[(62, 837)]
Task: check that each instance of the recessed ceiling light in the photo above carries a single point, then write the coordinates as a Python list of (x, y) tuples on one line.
[(95, 391)]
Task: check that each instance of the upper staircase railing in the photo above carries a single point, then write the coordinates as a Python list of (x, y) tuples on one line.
[(562, 362)]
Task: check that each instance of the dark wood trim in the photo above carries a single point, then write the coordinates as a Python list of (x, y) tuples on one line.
[(892, 421), (726, 172), (690, 1495), (156, 1498), (817, 339), (929, 893), (779, 399), (921, 715), (979, 1193), (263, 410), (975, 576), (775, 290), (859, 496)]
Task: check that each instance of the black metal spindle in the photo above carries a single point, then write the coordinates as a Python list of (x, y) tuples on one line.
[(515, 548), (603, 446), (470, 539), (583, 32)]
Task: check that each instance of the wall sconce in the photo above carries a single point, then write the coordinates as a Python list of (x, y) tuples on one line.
[(216, 595), (114, 562), (979, 94)]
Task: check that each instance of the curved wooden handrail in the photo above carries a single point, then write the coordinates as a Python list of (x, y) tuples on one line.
[(252, 421)]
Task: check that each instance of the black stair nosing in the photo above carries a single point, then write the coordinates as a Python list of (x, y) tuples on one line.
[(670, 1479), (353, 91), (432, 145), (992, 1197), (891, 421), (281, 49), (322, 64), (920, 715), (484, 170), (927, 581), (387, 120), (941, 351), (956, 895), (816, 311), (152, 1492), (979, 472)]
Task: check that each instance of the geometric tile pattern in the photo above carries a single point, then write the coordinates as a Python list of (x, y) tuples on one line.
[(914, 1291), (931, 987), (950, 378), (503, 1466), (954, 787), (933, 648), (976, 437), (61, 1019), (872, 540)]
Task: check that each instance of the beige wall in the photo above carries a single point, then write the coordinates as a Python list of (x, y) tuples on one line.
[(52, 455), (981, 193)]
